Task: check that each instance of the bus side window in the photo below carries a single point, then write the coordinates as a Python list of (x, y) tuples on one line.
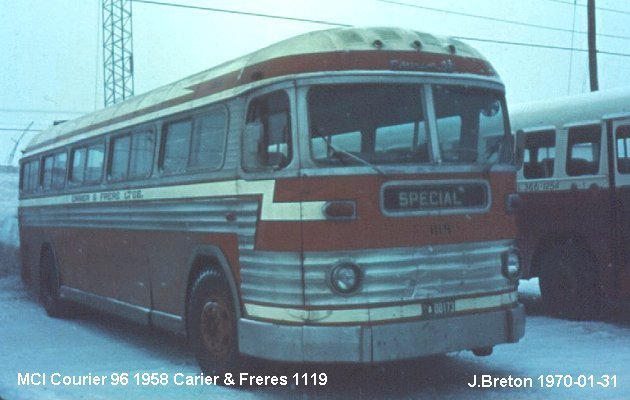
[(273, 112), (94, 163), (208, 140), (583, 150), (33, 176), (623, 149), (142, 149), (119, 163), (176, 146), (539, 155), (77, 167)]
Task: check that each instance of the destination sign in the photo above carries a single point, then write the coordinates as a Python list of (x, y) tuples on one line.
[(435, 196)]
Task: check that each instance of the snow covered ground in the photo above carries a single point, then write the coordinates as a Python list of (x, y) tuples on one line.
[(95, 344)]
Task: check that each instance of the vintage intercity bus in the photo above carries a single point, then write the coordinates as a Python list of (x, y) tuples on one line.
[(341, 196), (574, 221)]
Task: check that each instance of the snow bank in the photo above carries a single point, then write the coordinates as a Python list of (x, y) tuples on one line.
[(9, 241)]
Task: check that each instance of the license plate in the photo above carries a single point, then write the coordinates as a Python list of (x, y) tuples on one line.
[(438, 308)]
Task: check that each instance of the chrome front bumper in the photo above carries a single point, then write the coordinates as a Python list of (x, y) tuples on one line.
[(383, 342)]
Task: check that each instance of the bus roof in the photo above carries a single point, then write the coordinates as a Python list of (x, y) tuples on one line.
[(338, 49), (557, 112)]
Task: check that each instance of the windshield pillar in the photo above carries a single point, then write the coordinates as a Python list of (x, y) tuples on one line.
[(429, 111)]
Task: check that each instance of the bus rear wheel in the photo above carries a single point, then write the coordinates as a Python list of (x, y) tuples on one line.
[(568, 283), (49, 286), (211, 324)]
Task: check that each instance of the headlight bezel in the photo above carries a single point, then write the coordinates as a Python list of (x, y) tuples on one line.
[(345, 278)]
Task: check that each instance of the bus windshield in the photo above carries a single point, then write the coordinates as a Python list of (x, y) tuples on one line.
[(386, 124)]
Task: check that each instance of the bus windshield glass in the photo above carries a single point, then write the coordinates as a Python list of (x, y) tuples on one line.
[(386, 124), (470, 125)]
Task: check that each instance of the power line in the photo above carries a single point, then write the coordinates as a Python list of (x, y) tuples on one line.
[(612, 10), (495, 19), (251, 14), (20, 130), (41, 111)]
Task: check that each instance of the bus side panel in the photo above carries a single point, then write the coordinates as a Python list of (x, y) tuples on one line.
[(548, 218)]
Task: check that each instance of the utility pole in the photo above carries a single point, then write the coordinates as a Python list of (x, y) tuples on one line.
[(117, 51), (592, 46)]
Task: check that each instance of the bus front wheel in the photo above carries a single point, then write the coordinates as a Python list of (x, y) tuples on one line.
[(568, 283), (211, 324)]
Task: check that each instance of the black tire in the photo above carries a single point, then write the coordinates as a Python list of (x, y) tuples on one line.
[(568, 283), (211, 323), (49, 286)]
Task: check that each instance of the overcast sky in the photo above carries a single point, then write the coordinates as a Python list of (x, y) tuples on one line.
[(51, 50)]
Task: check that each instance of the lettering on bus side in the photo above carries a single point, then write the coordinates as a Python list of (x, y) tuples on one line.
[(116, 195), (539, 186)]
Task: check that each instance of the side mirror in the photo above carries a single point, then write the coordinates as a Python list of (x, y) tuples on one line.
[(519, 151), (251, 143)]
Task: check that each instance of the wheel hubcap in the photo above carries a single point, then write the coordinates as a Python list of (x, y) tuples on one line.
[(216, 328)]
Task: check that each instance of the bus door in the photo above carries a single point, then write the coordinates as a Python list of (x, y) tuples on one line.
[(621, 147), (271, 251)]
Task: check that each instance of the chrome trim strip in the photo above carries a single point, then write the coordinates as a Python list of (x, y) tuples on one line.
[(166, 321), (123, 309), (376, 314)]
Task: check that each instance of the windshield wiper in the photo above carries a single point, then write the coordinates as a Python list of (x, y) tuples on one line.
[(335, 152)]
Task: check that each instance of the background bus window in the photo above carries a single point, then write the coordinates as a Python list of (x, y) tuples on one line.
[(59, 171), (30, 174), (77, 171), (176, 146), (120, 158), (583, 150), (273, 112), (208, 140), (142, 148), (94, 163), (623, 149), (539, 155)]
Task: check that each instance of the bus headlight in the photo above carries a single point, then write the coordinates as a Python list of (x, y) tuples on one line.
[(511, 265), (345, 278)]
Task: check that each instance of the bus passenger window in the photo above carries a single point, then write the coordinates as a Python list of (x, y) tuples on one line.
[(77, 171), (33, 176), (120, 158), (142, 147), (59, 171), (539, 155), (48, 167), (623, 149), (208, 140), (273, 112), (583, 150), (176, 146), (24, 181), (94, 163)]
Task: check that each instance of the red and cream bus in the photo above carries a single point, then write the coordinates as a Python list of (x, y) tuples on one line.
[(575, 190), (341, 196)]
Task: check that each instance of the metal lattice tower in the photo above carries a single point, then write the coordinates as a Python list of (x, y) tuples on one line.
[(117, 51)]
